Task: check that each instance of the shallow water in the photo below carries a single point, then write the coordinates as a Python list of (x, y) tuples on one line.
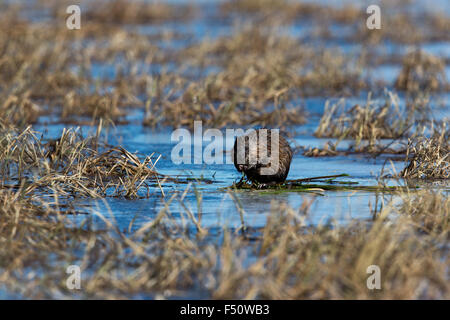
[(218, 208)]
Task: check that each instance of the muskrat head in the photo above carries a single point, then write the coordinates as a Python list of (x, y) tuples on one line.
[(244, 163), (245, 152), (244, 167)]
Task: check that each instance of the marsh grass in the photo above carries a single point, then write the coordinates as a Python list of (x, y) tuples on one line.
[(367, 125), (329, 150), (404, 27), (255, 75), (173, 257), (285, 259), (73, 166), (121, 11), (421, 71), (252, 76), (371, 122), (431, 210), (258, 74), (428, 158), (45, 69)]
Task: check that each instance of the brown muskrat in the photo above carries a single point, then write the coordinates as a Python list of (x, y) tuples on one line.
[(253, 155)]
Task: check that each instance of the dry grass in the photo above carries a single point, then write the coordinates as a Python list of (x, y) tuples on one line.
[(258, 74), (421, 71), (290, 11), (396, 24), (367, 124), (428, 158), (370, 122), (253, 76), (73, 166), (47, 69), (174, 257), (430, 210), (286, 259), (331, 263), (329, 150), (122, 11)]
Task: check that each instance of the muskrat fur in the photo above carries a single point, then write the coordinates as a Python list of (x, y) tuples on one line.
[(252, 154)]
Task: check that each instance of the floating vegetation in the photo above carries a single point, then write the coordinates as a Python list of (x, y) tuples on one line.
[(320, 184)]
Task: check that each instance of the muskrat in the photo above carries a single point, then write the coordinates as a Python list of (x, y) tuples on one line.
[(253, 155)]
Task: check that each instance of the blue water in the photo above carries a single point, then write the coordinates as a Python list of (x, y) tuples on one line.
[(218, 209)]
